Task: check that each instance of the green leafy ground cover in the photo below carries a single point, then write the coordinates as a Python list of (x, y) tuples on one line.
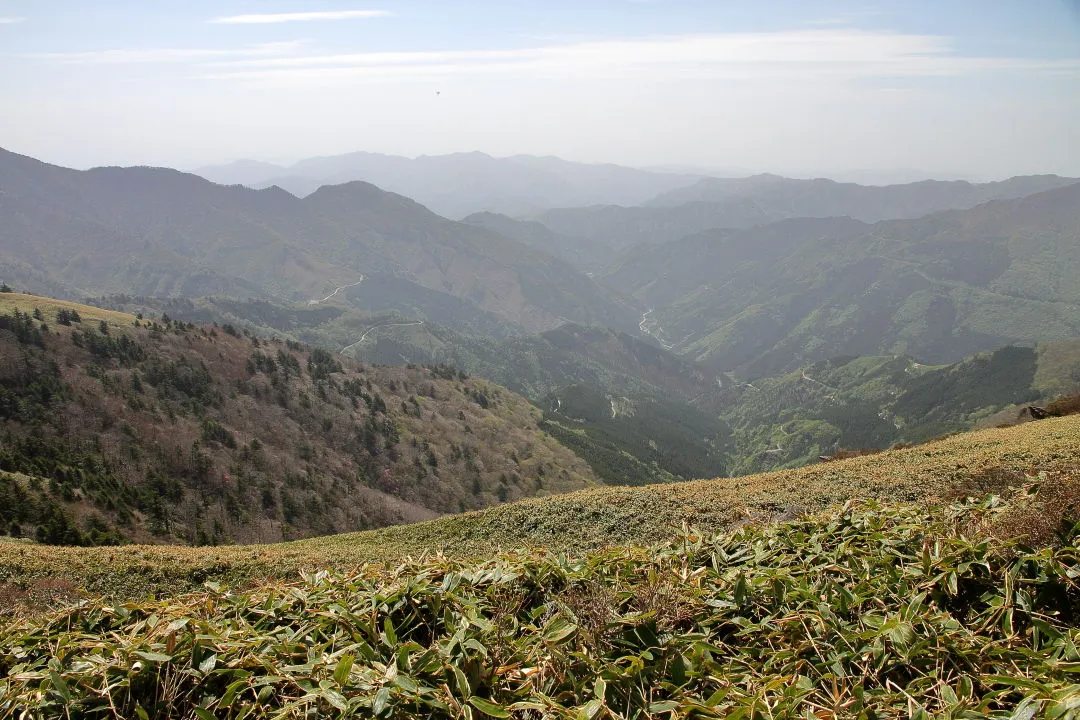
[(869, 611)]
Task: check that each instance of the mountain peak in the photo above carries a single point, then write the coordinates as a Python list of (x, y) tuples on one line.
[(364, 194)]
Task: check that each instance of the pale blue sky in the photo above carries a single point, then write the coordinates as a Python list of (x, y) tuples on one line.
[(979, 88)]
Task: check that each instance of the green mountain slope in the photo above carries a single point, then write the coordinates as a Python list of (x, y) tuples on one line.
[(667, 428), (637, 439), (875, 402), (117, 428), (639, 414), (941, 287)]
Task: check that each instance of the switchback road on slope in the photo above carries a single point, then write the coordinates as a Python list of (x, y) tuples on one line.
[(343, 287), (374, 328)]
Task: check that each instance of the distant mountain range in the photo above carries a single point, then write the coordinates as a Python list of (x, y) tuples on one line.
[(154, 231), (739, 277), (463, 183), (600, 233), (822, 197)]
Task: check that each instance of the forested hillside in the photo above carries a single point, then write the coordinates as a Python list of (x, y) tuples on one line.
[(862, 403), (641, 414), (125, 428)]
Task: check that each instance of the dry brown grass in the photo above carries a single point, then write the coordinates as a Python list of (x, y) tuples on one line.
[(43, 593), (848, 454), (49, 306), (1046, 513), (1064, 406)]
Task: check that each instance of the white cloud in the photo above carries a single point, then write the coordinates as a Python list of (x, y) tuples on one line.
[(262, 19), (166, 55), (11, 20), (792, 55)]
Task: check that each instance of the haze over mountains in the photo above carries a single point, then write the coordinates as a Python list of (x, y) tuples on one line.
[(447, 416), (463, 183), (731, 270), (762, 199)]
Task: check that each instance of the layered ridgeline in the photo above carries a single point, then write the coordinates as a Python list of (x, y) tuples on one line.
[(356, 270), (917, 604), (938, 288), (117, 428), (601, 233), (462, 183), (770, 298), (154, 231), (783, 197)]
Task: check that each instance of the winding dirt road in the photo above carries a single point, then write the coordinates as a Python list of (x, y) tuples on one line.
[(374, 328), (331, 295), (657, 336)]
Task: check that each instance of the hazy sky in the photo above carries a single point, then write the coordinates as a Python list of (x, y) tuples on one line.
[(982, 88)]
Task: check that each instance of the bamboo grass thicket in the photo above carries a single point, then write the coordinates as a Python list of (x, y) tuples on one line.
[(868, 611)]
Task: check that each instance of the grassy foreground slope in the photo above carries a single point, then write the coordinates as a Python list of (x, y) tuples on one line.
[(864, 612), (967, 464)]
